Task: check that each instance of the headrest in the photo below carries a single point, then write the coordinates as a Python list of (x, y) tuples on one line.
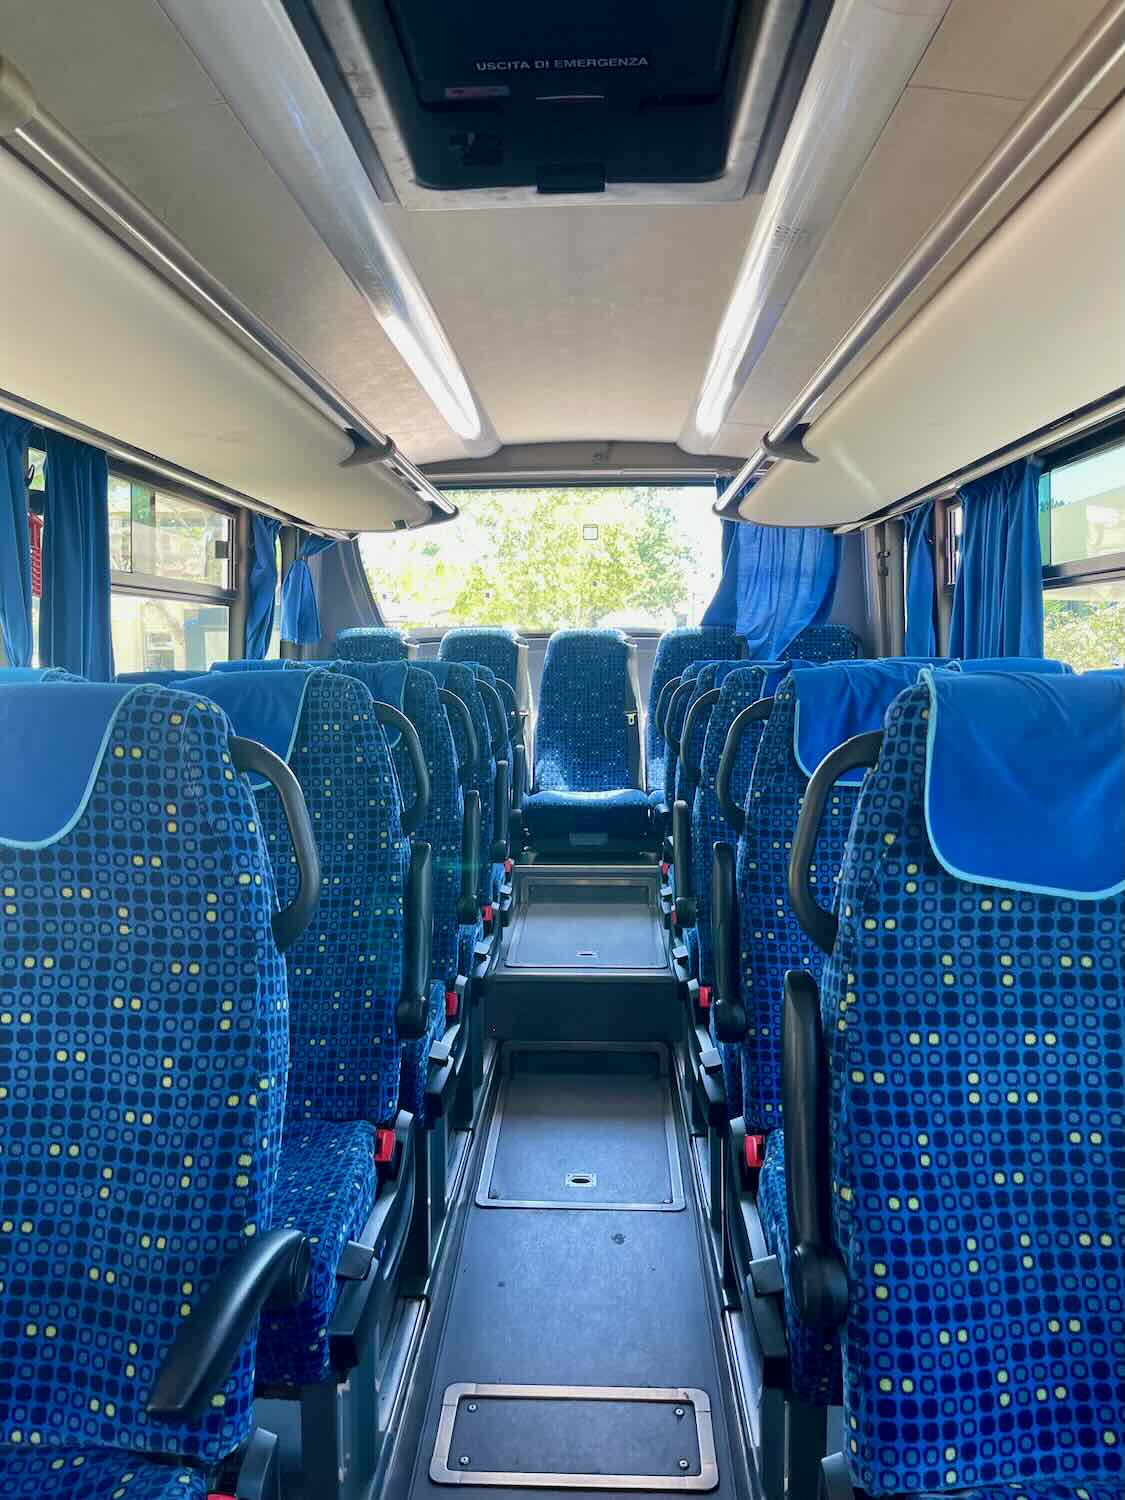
[(1025, 780), (262, 706), (59, 731), (453, 675), (385, 681), (38, 674), (254, 664), (843, 699), (159, 676), (1041, 664), (486, 674)]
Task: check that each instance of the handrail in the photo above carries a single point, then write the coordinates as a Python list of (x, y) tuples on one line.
[(1081, 71)]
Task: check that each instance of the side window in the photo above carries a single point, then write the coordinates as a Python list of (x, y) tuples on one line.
[(1082, 535)]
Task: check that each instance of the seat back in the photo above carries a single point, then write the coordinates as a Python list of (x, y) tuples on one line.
[(502, 651), (373, 643), (814, 709), (460, 680), (9, 676), (819, 643), (346, 972), (674, 716), (674, 651), (588, 737), (973, 1008), (142, 1056)]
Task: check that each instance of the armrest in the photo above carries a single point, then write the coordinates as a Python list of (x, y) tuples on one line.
[(681, 858), (272, 1267), (728, 1010), (662, 703), (730, 809), (817, 1275), (254, 759), (503, 803), (415, 815), (467, 903), (444, 1064), (519, 778), (700, 709), (411, 1013)]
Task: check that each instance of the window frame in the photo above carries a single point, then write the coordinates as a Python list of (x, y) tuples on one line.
[(1110, 566)]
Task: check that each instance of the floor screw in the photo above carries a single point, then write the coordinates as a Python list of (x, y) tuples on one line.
[(683, 1463), (464, 1460)]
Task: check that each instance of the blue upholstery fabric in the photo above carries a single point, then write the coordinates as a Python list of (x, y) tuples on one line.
[(416, 1055), (326, 1187), (345, 973), (824, 643), (705, 680), (459, 680), (976, 1052), (371, 643), (998, 596), (492, 646), (620, 814), (674, 650), (674, 723), (814, 1353), (12, 675), (582, 740), (15, 542), (142, 1062), (159, 677), (93, 1474), (300, 612), (74, 623)]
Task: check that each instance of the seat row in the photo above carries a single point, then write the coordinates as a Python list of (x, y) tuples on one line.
[(235, 1159), (884, 1184)]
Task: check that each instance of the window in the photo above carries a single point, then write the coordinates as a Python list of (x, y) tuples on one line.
[(1082, 535), (631, 556), (166, 537), (153, 632)]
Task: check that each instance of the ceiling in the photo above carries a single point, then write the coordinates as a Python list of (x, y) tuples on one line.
[(574, 323)]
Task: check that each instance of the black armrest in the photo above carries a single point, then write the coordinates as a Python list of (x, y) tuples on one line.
[(701, 707), (468, 903), (459, 709), (414, 815), (443, 1066), (861, 750), (730, 809), (519, 777), (661, 710), (817, 1275), (271, 1267), (254, 759), (728, 1010), (682, 696), (503, 805), (681, 857), (412, 1011)]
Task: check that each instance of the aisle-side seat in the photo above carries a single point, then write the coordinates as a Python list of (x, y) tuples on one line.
[(502, 651), (957, 1209), (11, 676), (589, 765), (374, 643), (824, 643), (146, 1001), (674, 651), (346, 1172)]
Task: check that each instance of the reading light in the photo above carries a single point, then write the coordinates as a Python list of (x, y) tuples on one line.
[(254, 57), (866, 56)]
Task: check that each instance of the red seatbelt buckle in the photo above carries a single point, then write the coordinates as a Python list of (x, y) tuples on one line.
[(665, 868), (486, 913), (215, 1495), (451, 1004), (384, 1146), (754, 1155), (675, 917), (509, 866), (705, 997)]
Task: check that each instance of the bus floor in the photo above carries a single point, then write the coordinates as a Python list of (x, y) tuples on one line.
[(575, 1338)]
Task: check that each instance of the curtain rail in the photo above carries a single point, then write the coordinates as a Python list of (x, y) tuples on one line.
[(1084, 67)]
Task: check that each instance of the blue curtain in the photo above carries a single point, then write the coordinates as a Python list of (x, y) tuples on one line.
[(15, 543), (921, 638), (723, 609), (74, 620), (261, 585), (998, 597), (300, 617)]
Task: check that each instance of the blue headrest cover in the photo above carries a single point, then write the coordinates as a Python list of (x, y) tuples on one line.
[(486, 674), (846, 698), (262, 706), (1043, 664), (37, 674), (159, 677), (385, 681), (59, 732), (254, 664), (1025, 780)]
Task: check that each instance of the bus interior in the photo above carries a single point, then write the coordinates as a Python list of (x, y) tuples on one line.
[(562, 749)]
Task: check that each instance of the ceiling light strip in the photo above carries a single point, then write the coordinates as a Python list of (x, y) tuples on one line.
[(1100, 48), (254, 57)]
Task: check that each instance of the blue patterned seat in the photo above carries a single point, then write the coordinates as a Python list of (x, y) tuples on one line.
[(588, 770), (973, 1010), (143, 1046), (345, 973), (373, 643), (674, 650), (674, 718), (502, 651), (159, 676), (821, 643), (9, 676)]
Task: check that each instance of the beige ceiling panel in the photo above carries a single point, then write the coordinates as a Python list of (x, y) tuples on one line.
[(581, 322), (1006, 47)]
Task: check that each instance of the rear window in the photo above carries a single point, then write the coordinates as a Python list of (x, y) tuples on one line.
[(541, 559)]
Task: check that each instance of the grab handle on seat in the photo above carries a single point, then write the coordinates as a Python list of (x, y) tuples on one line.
[(751, 714), (660, 713), (460, 709), (414, 815), (681, 857), (702, 705), (255, 760), (411, 1013), (684, 690), (728, 1010), (820, 924), (497, 718)]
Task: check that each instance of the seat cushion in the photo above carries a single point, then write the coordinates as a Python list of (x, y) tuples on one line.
[(623, 813), (1035, 1489), (814, 1353), (326, 1186), (93, 1474)]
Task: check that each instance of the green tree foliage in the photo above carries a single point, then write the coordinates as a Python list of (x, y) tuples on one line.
[(1085, 633), (541, 560)]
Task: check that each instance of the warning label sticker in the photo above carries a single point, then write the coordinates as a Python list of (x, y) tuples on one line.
[(552, 64)]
